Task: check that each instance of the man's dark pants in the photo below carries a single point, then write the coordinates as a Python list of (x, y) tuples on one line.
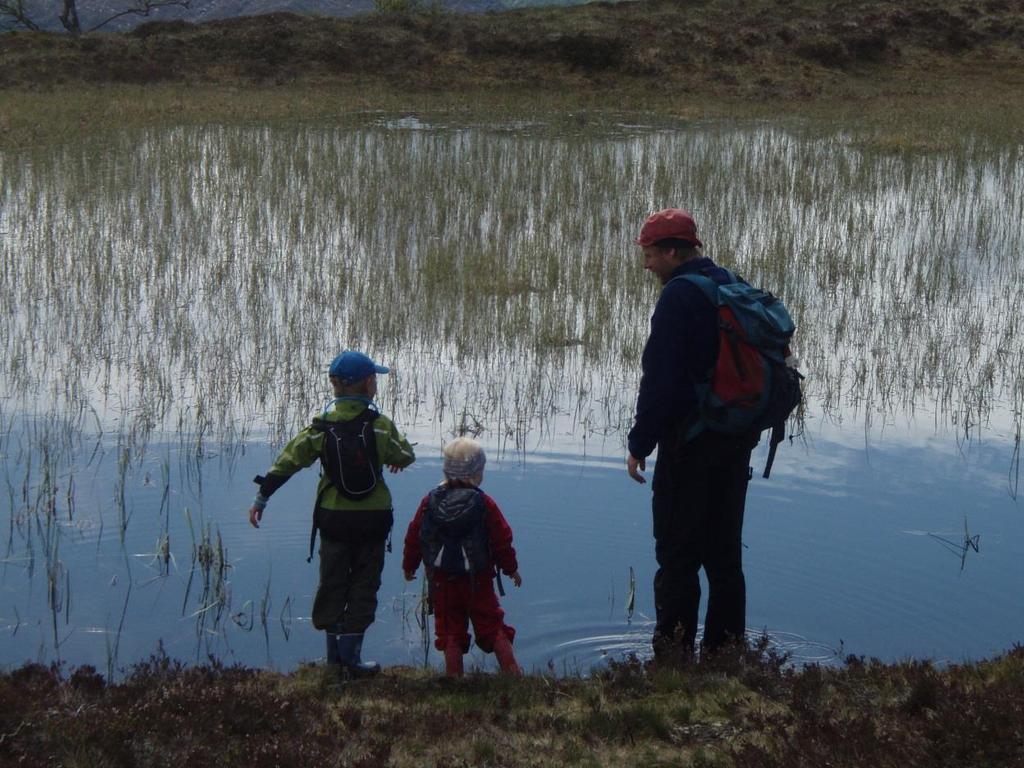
[(700, 490)]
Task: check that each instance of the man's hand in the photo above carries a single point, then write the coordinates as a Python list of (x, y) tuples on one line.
[(394, 469), (255, 515), (516, 579), (635, 466), (410, 575)]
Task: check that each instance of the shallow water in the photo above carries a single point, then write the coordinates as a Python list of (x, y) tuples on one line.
[(856, 554), (170, 301)]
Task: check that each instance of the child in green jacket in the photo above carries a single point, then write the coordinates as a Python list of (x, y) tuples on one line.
[(353, 509)]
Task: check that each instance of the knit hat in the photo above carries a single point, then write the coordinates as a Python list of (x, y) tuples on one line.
[(464, 459)]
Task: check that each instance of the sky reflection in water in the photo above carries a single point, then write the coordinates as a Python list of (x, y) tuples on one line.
[(841, 557)]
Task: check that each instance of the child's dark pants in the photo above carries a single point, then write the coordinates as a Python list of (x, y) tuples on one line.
[(699, 494), (346, 600)]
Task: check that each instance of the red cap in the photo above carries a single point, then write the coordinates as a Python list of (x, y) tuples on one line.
[(670, 223)]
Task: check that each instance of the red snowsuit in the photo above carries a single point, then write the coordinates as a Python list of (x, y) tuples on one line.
[(456, 601)]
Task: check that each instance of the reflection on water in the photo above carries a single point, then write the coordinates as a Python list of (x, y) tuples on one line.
[(584, 653), (170, 301), (838, 561), (962, 547), (195, 280)]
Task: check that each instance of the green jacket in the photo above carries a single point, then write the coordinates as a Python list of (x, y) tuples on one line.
[(304, 449)]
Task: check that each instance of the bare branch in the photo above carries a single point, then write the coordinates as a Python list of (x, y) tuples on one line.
[(15, 11), (144, 8)]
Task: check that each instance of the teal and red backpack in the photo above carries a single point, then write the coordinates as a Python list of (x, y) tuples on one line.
[(751, 387)]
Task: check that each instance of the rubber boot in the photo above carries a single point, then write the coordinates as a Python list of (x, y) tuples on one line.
[(453, 659), (506, 659), (333, 659), (350, 648)]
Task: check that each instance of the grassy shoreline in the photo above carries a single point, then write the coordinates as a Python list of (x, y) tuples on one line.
[(70, 114), (753, 711)]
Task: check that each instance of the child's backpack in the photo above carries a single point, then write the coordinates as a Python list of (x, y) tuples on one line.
[(751, 387), (349, 454), (453, 531)]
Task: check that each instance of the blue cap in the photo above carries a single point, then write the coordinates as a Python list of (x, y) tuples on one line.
[(351, 366)]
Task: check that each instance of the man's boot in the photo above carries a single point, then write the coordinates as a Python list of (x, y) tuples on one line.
[(453, 659), (333, 659), (506, 659), (350, 647)]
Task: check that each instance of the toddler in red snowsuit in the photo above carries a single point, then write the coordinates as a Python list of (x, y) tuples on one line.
[(461, 537)]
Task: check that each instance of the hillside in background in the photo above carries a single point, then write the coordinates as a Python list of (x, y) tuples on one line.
[(766, 49), (92, 13)]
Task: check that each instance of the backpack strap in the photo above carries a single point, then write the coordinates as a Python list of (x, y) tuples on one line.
[(778, 435), (312, 533), (708, 286), (312, 539), (779, 428)]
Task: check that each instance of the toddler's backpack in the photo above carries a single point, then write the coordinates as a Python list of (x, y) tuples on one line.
[(349, 454), (453, 532), (751, 387)]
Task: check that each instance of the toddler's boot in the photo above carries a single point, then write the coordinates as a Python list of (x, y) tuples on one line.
[(506, 659), (350, 647), (453, 659)]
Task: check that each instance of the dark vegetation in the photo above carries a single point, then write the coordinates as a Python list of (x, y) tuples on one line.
[(757, 48), (749, 711)]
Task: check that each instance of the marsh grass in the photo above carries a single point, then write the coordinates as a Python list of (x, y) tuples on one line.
[(210, 563), (457, 254)]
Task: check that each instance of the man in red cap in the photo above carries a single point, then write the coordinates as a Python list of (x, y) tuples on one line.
[(700, 478)]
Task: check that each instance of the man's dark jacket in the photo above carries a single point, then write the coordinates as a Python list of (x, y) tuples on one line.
[(679, 354)]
